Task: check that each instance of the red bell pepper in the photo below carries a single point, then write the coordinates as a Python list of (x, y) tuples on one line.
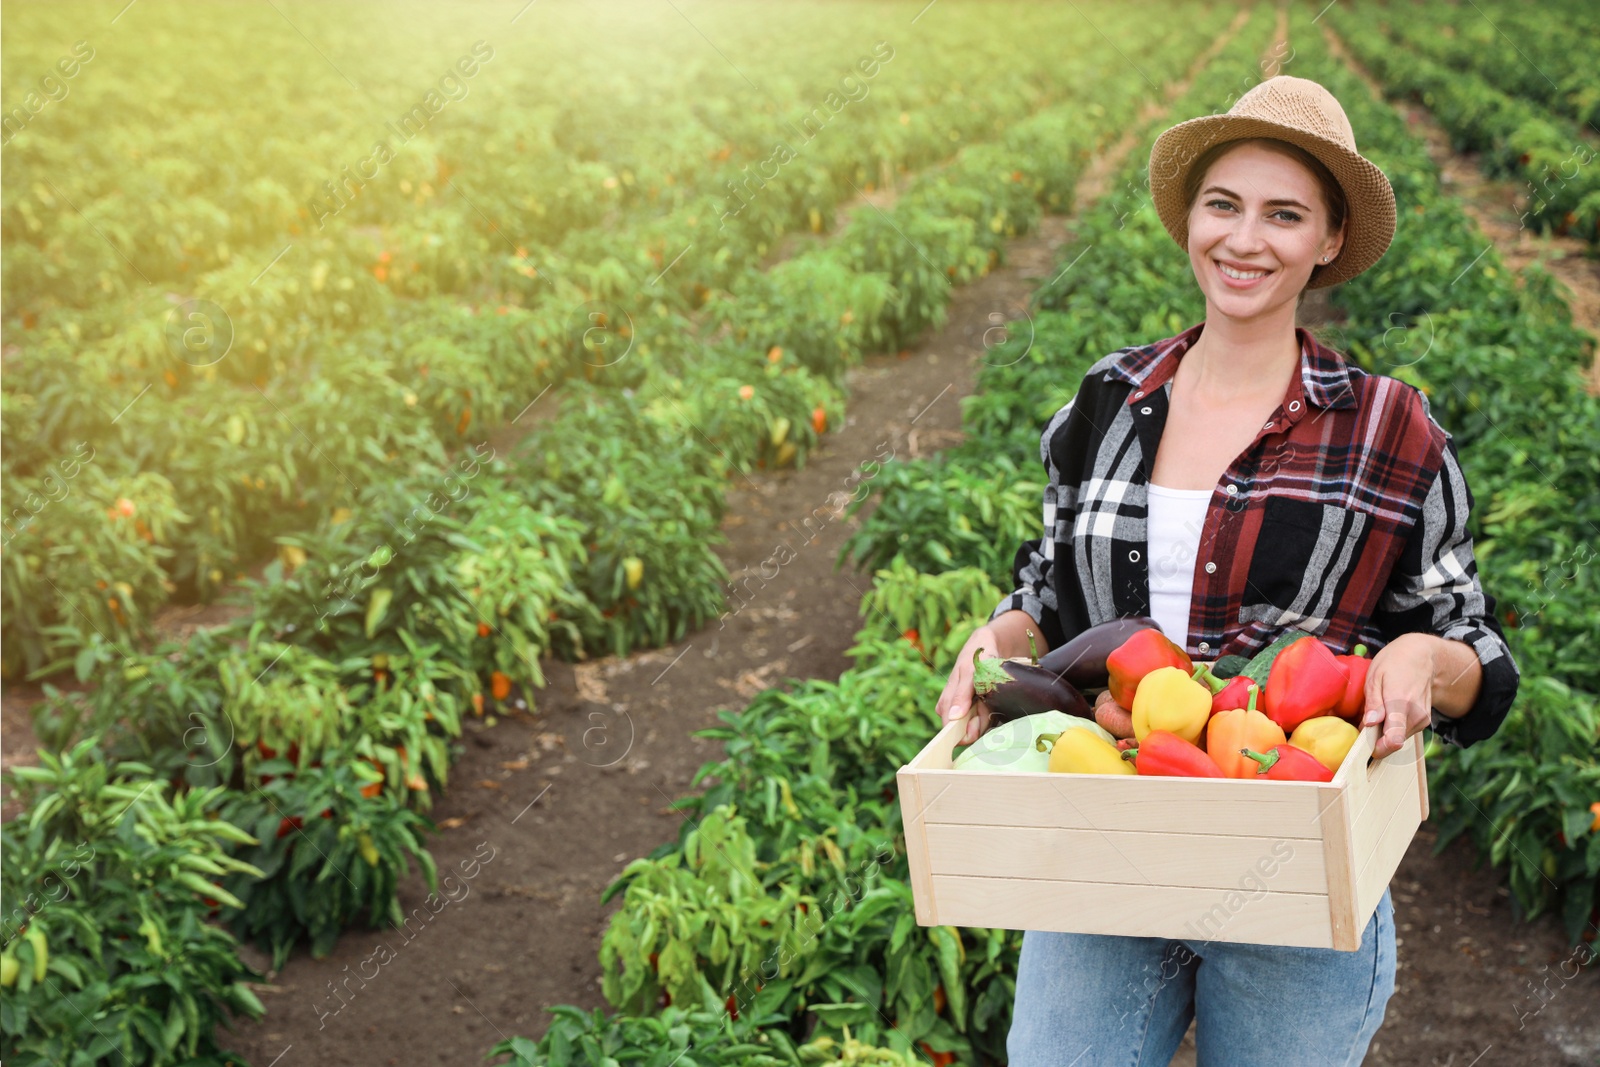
[(1351, 704), (1167, 754), (1234, 696), (1306, 680), (1136, 657), (1286, 763)]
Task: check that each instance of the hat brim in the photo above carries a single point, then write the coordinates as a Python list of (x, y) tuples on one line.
[(1369, 222)]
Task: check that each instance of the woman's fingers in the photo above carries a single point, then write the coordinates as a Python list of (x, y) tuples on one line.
[(1378, 714), (957, 694), (976, 724), (1391, 716), (958, 697), (1399, 698), (957, 691), (947, 700)]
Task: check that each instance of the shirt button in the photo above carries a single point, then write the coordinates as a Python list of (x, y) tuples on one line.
[(1211, 568), (1294, 405), (1144, 410), (1233, 490), (1133, 557), (1268, 426), (1204, 647)]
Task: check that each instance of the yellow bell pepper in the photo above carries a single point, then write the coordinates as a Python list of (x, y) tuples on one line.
[(1326, 737), (1169, 699), (1082, 752)]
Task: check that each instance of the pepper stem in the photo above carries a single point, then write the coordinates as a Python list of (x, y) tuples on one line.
[(1039, 742), (1131, 755), (1266, 759), (1202, 674), (1361, 650), (1255, 691)]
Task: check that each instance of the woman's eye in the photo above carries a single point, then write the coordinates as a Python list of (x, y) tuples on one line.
[(1286, 214)]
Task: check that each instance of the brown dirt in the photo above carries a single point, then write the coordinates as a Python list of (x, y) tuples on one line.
[(610, 744), (1496, 206)]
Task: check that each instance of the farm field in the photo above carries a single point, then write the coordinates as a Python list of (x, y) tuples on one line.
[(447, 464)]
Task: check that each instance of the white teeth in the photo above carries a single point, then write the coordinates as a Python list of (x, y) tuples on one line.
[(1241, 275)]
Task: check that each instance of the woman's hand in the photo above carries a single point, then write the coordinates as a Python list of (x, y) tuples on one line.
[(958, 695), (1115, 719), (1399, 692)]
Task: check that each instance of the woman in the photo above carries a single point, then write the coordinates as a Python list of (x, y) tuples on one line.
[(1232, 482)]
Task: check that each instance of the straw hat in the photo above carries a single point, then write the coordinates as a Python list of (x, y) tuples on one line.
[(1303, 113)]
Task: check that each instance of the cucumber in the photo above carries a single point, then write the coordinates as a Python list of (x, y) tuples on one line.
[(1229, 666), (1261, 664)]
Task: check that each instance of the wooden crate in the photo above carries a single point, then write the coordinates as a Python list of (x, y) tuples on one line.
[(1276, 863)]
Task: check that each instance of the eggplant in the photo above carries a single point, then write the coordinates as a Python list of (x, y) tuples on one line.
[(1081, 662), (1012, 688)]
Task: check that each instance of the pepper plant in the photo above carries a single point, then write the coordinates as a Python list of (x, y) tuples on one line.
[(110, 959)]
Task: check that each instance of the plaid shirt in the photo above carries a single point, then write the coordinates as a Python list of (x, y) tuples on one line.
[(1345, 517)]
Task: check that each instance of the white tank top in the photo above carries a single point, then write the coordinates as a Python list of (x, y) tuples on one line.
[(1176, 518)]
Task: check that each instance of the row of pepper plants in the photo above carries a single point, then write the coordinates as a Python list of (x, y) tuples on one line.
[(1504, 369), (1521, 49), (357, 356), (778, 927), (321, 724), (1519, 138)]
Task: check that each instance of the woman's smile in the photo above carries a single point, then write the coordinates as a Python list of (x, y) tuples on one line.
[(1236, 276)]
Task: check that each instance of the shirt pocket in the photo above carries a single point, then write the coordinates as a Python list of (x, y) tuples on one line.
[(1303, 559)]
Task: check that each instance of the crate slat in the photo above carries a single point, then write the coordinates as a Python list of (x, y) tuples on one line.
[(1386, 788), (1388, 848), (917, 856), (1339, 864), (1122, 802), (1197, 860), (1133, 910)]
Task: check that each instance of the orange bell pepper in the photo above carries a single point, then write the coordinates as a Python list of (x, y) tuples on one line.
[(1230, 731)]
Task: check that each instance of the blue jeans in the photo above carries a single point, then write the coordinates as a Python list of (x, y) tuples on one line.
[(1097, 1000)]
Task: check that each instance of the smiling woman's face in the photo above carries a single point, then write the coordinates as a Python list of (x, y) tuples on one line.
[(1262, 214)]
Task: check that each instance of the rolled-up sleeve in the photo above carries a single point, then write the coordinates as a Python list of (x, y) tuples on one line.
[(1032, 570), (1434, 588)]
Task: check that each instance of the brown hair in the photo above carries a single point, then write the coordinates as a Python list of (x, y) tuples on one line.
[(1332, 192)]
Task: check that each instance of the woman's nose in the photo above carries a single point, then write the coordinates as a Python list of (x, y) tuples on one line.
[(1245, 237)]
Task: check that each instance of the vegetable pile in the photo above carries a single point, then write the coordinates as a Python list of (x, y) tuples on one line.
[(1189, 721)]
